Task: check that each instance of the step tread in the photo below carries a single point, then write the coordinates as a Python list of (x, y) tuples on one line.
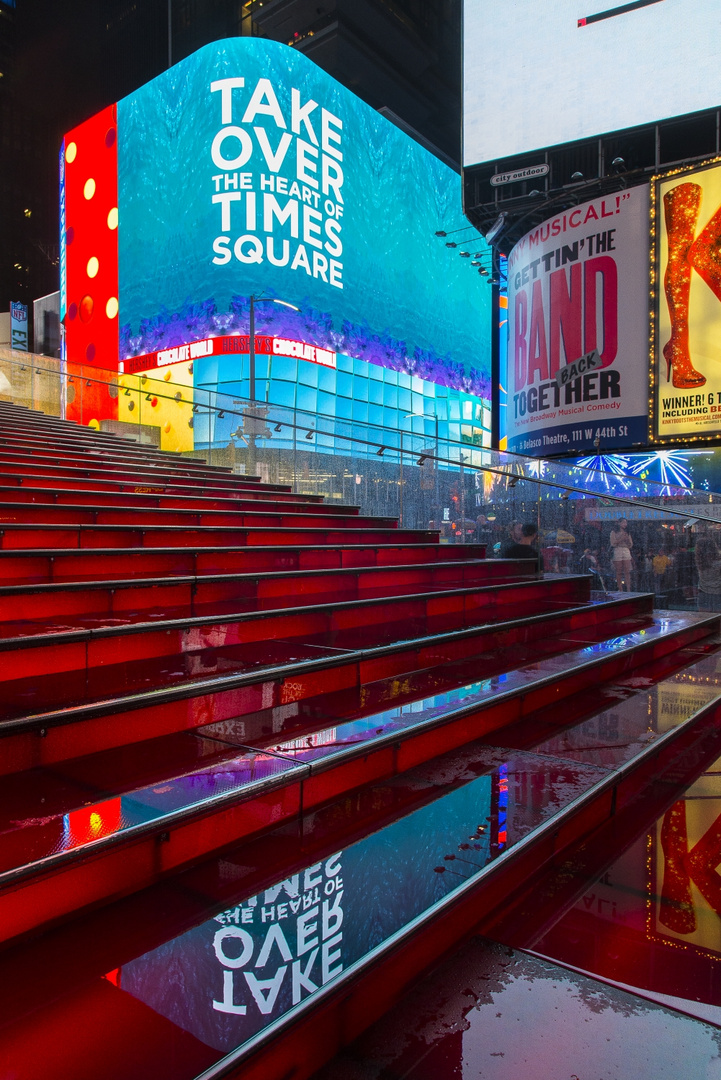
[(229, 769), (31, 704), (15, 635)]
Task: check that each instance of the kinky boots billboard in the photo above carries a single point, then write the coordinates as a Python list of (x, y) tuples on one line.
[(686, 224)]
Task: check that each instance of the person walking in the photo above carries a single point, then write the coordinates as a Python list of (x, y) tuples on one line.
[(621, 544), (708, 565)]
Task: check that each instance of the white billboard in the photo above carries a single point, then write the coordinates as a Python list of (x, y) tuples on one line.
[(538, 74), (578, 307)]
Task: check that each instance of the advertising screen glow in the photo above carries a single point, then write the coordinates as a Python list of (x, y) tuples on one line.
[(580, 68), (245, 170)]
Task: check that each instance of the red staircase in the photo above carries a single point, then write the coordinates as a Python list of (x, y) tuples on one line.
[(193, 659)]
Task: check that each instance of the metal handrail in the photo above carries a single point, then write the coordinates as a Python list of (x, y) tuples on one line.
[(379, 448)]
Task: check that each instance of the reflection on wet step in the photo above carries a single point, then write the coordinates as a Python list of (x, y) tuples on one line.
[(249, 960), (47, 811), (22, 697), (641, 905), (616, 734), (416, 613), (204, 652)]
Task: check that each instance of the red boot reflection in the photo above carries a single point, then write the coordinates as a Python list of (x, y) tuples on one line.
[(676, 906)]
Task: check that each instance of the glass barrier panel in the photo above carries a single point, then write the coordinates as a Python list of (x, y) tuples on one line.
[(415, 474)]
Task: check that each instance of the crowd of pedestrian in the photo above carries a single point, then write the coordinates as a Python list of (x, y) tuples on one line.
[(682, 566)]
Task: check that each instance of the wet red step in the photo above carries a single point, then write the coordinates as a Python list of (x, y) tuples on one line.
[(14, 536), (118, 705), (33, 650), (194, 593), (245, 514), (82, 564)]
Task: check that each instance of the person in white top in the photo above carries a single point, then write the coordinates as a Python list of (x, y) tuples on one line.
[(621, 544)]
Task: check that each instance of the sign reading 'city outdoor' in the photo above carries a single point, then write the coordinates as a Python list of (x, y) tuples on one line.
[(688, 305), (577, 288), (530, 173)]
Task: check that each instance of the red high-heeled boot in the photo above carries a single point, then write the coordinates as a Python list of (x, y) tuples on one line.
[(705, 254), (681, 208)]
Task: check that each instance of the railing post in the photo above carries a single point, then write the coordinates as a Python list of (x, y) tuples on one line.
[(400, 496)]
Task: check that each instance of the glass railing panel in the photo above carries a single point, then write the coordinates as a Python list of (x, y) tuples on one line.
[(468, 493)]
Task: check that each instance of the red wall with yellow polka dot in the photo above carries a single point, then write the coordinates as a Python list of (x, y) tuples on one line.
[(91, 237)]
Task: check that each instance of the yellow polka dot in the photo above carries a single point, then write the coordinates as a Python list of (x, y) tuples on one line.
[(95, 424), (168, 375), (89, 189), (113, 218), (111, 308), (71, 152), (92, 267)]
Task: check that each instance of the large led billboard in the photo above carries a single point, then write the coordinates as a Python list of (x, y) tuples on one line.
[(246, 170), (576, 375), (576, 69), (687, 309)]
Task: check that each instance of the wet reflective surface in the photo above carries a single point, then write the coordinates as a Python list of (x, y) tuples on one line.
[(500, 1014), (205, 654), (512, 599), (649, 917), (199, 993), (45, 812), (35, 693), (115, 606), (67, 817)]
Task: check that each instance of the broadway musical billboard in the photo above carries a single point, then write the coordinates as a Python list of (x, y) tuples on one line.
[(577, 368)]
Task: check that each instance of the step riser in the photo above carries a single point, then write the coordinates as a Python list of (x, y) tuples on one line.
[(195, 595), (46, 742), (130, 866), (133, 517), (21, 497), (15, 460), (146, 563), (21, 538), (89, 470), (238, 487), (382, 622)]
